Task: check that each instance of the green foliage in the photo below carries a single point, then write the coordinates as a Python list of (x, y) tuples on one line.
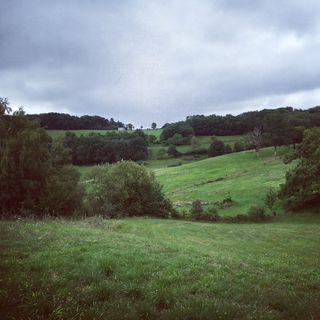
[(271, 198), (256, 214), (218, 148), (63, 193), (181, 128), (302, 186), (152, 138), (153, 125), (24, 162), (196, 210), (172, 151), (109, 148), (126, 189), (161, 153), (33, 179), (239, 146)]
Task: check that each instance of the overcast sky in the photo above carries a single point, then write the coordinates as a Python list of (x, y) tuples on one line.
[(141, 61)]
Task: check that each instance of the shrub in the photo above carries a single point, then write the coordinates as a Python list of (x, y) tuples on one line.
[(172, 151), (218, 148), (256, 214), (126, 189), (271, 198), (196, 209), (63, 193), (238, 147)]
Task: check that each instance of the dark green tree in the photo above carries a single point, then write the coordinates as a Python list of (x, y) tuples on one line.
[(216, 148), (302, 186), (126, 189), (172, 151), (153, 125), (33, 176)]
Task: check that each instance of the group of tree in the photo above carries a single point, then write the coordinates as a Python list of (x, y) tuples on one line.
[(302, 185), (36, 177), (109, 148), (62, 121), (246, 122)]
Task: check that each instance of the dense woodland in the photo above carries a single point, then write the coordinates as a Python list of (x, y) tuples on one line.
[(62, 121), (109, 148), (246, 122)]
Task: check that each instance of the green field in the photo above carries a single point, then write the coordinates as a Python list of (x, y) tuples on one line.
[(61, 133), (159, 269), (241, 176)]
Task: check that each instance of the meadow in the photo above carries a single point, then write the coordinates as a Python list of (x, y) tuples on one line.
[(240, 176), (147, 268), (61, 133), (159, 269)]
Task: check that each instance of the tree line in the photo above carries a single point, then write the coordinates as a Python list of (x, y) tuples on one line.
[(246, 122), (62, 121), (109, 148)]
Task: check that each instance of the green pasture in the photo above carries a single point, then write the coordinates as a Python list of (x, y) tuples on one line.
[(241, 176), (159, 269), (61, 133)]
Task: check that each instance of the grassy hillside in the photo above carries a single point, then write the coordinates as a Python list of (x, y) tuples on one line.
[(241, 176), (159, 269), (61, 133)]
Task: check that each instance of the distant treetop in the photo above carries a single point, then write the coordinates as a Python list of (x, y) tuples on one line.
[(62, 121)]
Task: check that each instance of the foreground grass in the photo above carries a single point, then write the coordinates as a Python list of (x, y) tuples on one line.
[(241, 176), (159, 269)]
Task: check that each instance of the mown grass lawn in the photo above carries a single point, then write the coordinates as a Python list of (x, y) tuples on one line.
[(159, 269)]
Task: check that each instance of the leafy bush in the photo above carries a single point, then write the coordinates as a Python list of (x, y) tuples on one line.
[(238, 146), (126, 189), (196, 210), (271, 198), (199, 151), (63, 193), (179, 127), (256, 214), (172, 151), (218, 148)]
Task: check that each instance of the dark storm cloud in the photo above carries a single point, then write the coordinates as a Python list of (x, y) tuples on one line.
[(142, 61)]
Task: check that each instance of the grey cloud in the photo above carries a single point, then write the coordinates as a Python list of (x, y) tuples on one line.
[(142, 61)]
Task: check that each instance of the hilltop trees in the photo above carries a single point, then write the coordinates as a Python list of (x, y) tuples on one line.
[(153, 125), (302, 186), (62, 121), (181, 128)]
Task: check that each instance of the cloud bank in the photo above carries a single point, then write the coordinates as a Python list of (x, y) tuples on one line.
[(141, 61)]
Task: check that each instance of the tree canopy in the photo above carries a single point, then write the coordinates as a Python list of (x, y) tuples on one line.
[(302, 186)]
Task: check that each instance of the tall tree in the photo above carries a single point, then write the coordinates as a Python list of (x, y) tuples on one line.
[(153, 125), (256, 139), (302, 186)]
